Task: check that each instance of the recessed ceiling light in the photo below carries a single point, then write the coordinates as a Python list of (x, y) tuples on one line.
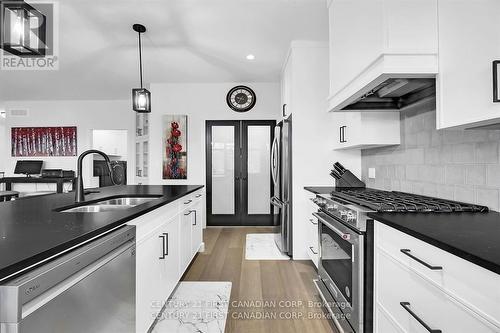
[(250, 57)]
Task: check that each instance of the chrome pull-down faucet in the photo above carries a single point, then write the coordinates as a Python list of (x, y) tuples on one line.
[(79, 192)]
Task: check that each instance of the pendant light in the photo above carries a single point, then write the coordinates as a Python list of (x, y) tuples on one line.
[(141, 97), (23, 29)]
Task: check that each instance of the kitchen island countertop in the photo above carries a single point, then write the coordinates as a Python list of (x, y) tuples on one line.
[(33, 230)]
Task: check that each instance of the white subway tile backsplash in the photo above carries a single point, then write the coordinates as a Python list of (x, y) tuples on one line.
[(488, 197), (463, 153), (450, 164), (455, 174), (475, 175), (493, 175), (487, 152), (464, 194)]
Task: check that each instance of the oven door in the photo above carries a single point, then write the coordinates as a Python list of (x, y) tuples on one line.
[(341, 267)]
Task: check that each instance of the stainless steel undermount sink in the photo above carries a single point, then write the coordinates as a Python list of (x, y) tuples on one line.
[(109, 205), (126, 201)]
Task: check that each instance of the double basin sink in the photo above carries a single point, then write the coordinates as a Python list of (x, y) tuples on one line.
[(111, 204)]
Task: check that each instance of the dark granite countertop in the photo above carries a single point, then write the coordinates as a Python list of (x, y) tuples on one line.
[(31, 230), (319, 189), (472, 236)]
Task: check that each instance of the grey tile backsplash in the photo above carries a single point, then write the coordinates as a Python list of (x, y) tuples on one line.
[(452, 164)]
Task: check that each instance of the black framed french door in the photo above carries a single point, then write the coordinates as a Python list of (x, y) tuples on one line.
[(238, 172)]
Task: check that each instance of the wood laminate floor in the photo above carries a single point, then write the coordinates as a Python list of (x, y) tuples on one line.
[(267, 296)]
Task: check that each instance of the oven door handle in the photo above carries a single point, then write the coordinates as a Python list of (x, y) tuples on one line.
[(343, 235)]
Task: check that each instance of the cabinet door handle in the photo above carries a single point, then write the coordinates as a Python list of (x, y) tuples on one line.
[(162, 237), (195, 216), (284, 110), (406, 306), (188, 213), (312, 221), (407, 252), (188, 202), (312, 250), (166, 243), (342, 134), (199, 195)]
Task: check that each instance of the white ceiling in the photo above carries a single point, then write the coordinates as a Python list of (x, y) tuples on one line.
[(186, 41)]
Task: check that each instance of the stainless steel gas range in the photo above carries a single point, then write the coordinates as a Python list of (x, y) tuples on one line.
[(346, 247)]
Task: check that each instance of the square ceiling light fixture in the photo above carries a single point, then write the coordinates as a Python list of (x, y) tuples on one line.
[(141, 97), (23, 29)]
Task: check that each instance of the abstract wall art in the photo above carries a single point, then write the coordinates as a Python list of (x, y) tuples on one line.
[(175, 147), (43, 141)]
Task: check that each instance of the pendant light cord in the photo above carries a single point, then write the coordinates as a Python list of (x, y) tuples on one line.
[(140, 58)]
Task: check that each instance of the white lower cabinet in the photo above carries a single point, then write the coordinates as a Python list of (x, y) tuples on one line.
[(197, 226), (157, 267), (167, 241), (408, 299), (312, 229), (185, 254)]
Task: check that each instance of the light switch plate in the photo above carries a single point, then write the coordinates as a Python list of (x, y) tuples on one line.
[(371, 173)]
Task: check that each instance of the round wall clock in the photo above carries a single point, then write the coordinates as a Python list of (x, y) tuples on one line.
[(241, 99)]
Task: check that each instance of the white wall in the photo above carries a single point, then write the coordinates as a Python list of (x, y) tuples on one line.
[(201, 102), (85, 115)]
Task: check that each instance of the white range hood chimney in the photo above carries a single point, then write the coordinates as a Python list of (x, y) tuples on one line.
[(380, 69)]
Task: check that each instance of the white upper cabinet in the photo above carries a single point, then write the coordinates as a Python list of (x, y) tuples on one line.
[(365, 130), (469, 40), (380, 42)]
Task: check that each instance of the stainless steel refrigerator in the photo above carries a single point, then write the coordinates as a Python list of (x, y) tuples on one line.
[(281, 170)]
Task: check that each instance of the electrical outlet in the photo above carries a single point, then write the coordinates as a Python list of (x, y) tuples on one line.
[(371, 173)]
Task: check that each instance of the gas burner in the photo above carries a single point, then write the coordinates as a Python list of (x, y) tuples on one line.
[(400, 202)]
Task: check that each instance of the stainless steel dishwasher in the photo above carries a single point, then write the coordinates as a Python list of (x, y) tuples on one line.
[(90, 289)]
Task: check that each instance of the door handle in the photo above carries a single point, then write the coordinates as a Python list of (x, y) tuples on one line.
[(406, 306), (312, 221), (284, 110), (342, 134), (408, 253), (164, 244), (195, 216), (276, 203), (312, 250)]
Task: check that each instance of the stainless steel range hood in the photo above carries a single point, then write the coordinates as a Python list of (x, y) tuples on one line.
[(395, 94)]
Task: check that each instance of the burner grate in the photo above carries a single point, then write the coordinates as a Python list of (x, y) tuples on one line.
[(386, 201)]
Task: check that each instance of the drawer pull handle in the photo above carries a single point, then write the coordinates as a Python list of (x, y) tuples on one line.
[(188, 202), (407, 252), (199, 195), (406, 306), (312, 250), (312, 221)]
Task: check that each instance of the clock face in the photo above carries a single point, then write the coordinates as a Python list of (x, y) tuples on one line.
[(241, 99)]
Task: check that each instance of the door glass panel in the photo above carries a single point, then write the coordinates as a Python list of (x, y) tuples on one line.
[(223, 170), (259, 169)]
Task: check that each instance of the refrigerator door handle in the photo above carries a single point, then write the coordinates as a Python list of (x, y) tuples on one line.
[(274, 161), (276, 202)]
